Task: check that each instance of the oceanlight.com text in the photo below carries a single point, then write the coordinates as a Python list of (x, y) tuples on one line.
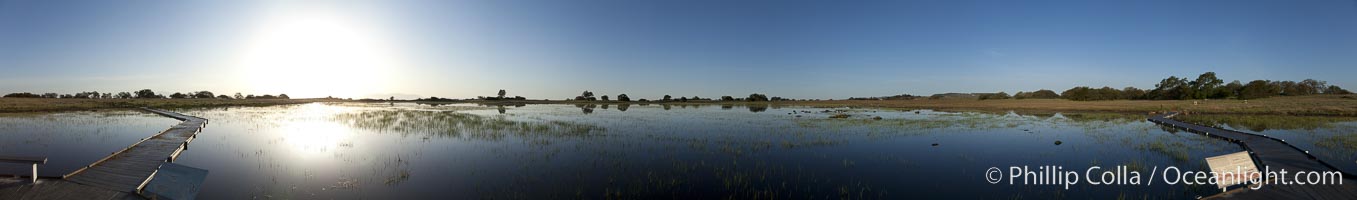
[(1123, 175)]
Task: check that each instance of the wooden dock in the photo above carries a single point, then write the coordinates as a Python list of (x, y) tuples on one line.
[(121, 175), (1274, 154)]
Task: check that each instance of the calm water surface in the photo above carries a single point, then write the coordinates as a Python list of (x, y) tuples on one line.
[(72, 140), (460, 151)]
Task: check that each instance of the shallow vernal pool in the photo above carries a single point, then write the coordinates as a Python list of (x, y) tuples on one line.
[(464, 151), (71, 140)]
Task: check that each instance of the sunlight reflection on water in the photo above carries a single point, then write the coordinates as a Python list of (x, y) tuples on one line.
[(354, 150), (596, 151)]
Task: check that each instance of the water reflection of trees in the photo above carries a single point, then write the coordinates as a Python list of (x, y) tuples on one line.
[(757, 107), (586, 108), (1099, 117), (502, 107), (1037, 114), (456, 124)]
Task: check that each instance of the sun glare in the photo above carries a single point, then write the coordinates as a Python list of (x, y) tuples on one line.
[(316, 55), (310, 133)]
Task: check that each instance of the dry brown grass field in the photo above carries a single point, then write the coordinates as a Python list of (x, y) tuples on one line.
[(1334, 105), (45, 105)]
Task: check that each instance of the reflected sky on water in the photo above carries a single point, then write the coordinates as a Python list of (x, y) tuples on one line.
[(351, 150), (71, 140)]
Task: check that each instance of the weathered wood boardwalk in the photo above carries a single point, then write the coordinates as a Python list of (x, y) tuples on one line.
[(121, 175), (1275, 155)]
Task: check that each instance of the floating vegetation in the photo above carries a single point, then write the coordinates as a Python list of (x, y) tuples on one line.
[(600, 151), (1346, 140), (1176, 150), (1102, 117), (457, 124)]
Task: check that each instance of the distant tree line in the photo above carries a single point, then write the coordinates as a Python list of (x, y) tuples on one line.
[(589, 96), (1039, 94), (499, 96), (1206, 86), (990, 96), (430, 99), (893, 97), (956, 96), (142, 94), (586, 96)]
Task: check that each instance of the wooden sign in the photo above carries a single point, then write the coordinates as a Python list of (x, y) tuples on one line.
[(1233, 169)]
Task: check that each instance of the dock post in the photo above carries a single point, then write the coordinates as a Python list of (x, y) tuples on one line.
[(35, 173)]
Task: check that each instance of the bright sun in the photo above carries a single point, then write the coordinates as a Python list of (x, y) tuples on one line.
[(316, 55)]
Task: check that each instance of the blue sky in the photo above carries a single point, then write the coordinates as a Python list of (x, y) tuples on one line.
[(555, 49)]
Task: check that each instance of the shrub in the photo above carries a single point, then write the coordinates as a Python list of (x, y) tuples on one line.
[(1082, 93), (148, 94), (1334, 89), (1258, 89), (1132, 93), (991, 96), (1045, 94), (22, 95), (757, 97), (203, 95)]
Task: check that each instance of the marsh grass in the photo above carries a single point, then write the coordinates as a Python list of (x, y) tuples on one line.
[(458, 124), (1346, 141), (1259, 123), (1175, 150), (694, 152)]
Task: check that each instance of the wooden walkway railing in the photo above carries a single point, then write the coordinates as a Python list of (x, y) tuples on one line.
[(131, 168), (1272, 154), (121, 175)]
